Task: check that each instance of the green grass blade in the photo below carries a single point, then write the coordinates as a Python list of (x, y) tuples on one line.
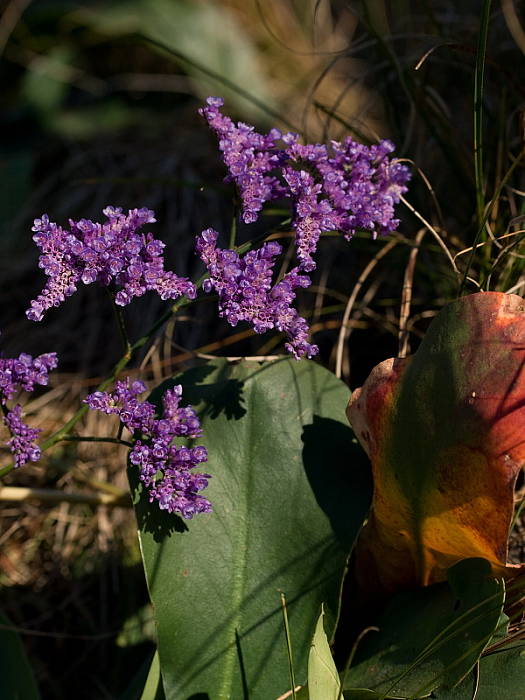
[(288, 644), (479, 76)]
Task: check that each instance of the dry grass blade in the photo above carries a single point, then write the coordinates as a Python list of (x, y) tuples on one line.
[(351, 301), (484, 243), (433, 232), (515, 288), (513, 23), (406, 295), (19, 493)]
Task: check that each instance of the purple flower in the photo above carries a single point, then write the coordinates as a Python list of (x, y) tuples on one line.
[(358, 185), (108, 253), (22, 443), (164, 467), (344, 188), (249, 156), (245, 290), (312, 214), (22, 373)]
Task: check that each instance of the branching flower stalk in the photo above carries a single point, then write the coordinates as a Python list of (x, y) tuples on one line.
[(345, 187), (124, 361)]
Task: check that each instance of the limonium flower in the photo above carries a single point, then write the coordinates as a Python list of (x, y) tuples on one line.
[(109, 253), (247, 293), (342, 187), (22, 373), (165, 469), (249, 156), (23, 438)]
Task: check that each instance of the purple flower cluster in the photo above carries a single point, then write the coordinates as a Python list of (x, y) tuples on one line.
[(22, 373), (356, 187), (250, 157), (23, 441), (245, 290), (112, 252), (164, 468), (347, 187)]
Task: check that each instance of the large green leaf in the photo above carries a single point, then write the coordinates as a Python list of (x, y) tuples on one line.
[(290, 490), (431, 637), (17, 682)]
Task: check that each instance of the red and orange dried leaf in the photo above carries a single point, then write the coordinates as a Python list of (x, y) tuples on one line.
[(445, 432)]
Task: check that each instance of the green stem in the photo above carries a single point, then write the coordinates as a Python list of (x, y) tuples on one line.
[(117, 369), (479, 76), (486, 217), (233, 230), (288, 645), (517, 514), (119, 316), (80, 438)]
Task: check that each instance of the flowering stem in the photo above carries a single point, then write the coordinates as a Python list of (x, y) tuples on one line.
[(121, 325), (61, 434)]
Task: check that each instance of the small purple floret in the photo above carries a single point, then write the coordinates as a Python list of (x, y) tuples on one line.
[(164, 468), (246, 293), (108, 253)]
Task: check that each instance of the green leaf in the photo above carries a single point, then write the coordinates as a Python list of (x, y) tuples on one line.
[(290, 490), (431, 637), (501, 673), (323, 679), (146, 684), (153, 688), (17, 681)]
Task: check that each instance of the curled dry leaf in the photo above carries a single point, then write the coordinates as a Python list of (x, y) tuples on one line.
[(445, 432)]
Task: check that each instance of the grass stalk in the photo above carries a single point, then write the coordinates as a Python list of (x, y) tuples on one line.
[(479, 78), (288, 646)]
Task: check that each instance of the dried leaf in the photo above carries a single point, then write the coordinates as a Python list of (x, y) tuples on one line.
[(445, 432)]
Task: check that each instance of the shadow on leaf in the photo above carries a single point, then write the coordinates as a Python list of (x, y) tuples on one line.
[(151, 518), (224, 395), (339, 475)]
